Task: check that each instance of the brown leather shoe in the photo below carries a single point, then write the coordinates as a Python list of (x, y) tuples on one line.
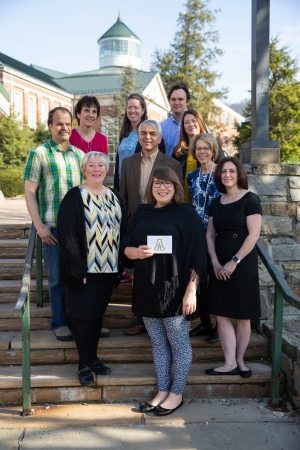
[(135, 330)]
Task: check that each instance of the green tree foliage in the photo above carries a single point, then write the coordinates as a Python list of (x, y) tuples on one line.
[(41, 134), (111, 128), (17, 139), (284, 104), (191, 55), (11, 183), (128, 86)]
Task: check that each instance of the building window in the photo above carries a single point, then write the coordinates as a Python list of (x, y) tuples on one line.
[(218, 115), (115, 47), (226, 118), (31, 112), (44, 112), (233, 122), (18, 105), (226, 145), (110, 128)]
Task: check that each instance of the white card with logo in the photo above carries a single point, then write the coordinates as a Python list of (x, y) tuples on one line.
[(160, 244)]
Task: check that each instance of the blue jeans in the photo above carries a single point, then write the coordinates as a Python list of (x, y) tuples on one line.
[(55, 284)]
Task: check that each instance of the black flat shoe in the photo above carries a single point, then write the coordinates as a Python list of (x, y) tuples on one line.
[(99, 368), (146, 407), (235, 371), (200, 330), (160, 411), (86, 377), (246, 373), (213, 338)]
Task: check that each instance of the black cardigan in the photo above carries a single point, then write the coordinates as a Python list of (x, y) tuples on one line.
[(71, 233), (138, 148)]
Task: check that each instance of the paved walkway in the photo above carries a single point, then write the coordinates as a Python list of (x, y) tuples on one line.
[(233, 424), (13, 211), (236, 424)]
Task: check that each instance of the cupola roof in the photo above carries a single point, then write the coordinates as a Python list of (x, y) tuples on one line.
[(119, 29)]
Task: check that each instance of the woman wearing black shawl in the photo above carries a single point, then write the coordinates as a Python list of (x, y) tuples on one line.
[(164, 289)]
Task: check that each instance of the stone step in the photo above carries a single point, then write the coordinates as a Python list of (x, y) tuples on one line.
[(116, 316), (13, 248), (12, 269), (14, 230), (46, 349), (127, 382), (10, 289)]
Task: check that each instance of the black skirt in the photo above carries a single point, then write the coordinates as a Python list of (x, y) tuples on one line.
[(91, 301)]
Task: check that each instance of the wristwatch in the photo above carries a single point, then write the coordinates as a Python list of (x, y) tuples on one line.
[(236, 259)]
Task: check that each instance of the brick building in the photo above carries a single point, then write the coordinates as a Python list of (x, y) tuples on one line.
[(33, 90)]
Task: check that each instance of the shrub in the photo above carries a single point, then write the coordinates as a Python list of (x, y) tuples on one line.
[(11, 183)]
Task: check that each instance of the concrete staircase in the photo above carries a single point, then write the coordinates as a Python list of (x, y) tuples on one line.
[(54, 363)]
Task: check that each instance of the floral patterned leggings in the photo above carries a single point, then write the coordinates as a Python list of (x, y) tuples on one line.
[(170, 344)]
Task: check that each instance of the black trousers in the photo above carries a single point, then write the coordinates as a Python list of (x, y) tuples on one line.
[(87, 334)]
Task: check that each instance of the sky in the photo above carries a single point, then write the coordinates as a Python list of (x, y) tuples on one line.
[(62, 34)]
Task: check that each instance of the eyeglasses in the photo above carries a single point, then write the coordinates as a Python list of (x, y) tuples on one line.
[(205, 149), (157, 184)]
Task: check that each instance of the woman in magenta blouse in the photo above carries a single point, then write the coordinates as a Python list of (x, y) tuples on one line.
[(85, 137)]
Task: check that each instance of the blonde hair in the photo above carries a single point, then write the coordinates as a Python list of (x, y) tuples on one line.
[(93, 154), (209, 140)]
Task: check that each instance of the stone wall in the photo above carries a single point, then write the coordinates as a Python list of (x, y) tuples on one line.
[(278, 186)]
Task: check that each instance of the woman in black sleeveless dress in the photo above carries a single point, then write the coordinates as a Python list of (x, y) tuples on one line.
[(233, 230)]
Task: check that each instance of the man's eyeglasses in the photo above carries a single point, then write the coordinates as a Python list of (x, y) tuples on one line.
[(205, 149), (157, 184)]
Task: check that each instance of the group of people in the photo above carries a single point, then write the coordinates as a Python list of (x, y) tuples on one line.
[(179, 215)]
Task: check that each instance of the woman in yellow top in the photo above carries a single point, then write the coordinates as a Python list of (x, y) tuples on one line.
[(192, 123)]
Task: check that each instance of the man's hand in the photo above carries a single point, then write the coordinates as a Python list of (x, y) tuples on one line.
[(45, 234)]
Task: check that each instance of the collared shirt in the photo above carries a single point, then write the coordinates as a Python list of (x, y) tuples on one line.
[(56, 171), (170, 131), (146, 168)]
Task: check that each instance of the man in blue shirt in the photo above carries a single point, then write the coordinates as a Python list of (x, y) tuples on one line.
[(179, 98)]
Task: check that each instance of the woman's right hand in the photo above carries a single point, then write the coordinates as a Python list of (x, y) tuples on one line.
[(84, 281), (144, 251), (217, 267)]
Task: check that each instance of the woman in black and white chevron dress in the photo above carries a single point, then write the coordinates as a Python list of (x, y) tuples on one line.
[(90, 228)]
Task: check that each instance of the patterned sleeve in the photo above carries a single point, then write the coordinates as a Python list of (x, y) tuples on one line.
[(33, 167), (253, 205)]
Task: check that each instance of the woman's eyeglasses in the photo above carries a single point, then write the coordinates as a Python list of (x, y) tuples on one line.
[(205, 149), (157, 184)]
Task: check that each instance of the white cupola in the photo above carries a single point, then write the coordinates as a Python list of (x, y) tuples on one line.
[(119, 47)]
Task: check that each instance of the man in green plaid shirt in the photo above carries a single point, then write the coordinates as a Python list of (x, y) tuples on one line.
[(51, 170)]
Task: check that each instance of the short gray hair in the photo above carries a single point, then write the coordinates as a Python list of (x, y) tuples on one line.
[(153, 123), (90, 155)]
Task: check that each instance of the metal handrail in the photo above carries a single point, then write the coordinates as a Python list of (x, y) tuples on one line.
[(282, 292), (22, 309)]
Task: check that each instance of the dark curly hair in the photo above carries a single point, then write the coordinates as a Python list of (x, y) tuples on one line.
[(88, 101)]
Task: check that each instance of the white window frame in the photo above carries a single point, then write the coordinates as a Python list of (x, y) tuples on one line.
[(18, 105), (109, 127), (44, 112), (32, 113)]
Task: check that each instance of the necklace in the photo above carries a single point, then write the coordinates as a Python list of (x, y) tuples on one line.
[(92, 191), (209, 177), (87, 145)]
